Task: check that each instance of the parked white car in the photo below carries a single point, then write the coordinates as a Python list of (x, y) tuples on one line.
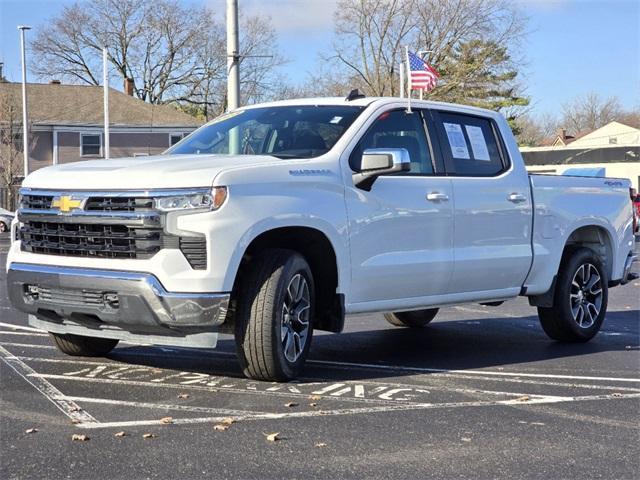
[(6, 217), (277, 219)]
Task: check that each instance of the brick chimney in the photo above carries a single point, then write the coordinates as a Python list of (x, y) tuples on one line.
[(562, 133), (128, 86)]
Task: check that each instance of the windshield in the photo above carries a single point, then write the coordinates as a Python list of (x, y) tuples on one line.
[(283, 132)]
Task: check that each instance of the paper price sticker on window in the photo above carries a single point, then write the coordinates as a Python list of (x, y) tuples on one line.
[(478, 143), (457, 142)]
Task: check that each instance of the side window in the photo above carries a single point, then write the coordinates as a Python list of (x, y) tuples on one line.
[(469, 144), (90, 144), (399, 129)]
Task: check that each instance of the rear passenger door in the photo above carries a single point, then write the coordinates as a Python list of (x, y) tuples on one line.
[(492, 205)]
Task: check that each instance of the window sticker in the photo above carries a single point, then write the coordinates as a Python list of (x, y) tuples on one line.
[(335, 120), (478, 143), (456, 140)]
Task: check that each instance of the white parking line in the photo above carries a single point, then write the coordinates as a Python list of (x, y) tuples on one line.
[(21, 327), (353, 411), (51, 393)]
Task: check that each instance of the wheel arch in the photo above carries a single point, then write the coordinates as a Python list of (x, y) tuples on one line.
[(323, 258)]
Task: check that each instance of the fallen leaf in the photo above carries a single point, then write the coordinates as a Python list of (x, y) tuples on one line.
[(616, 394), (75, 421), (75, 409), (320, 445), (314, 397), (220, 427), (465, 439), (120, 434), (147, 436), (272, 437), (524, 398), (313, 404), (31, 430), (166, 420), (79, 437), (291, 404), (183, 396), (228, 421)]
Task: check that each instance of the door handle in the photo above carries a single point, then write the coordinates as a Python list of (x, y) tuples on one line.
[(437, 197), (516, 198)]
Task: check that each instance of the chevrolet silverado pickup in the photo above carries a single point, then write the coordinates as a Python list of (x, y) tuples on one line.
[(277, 219)]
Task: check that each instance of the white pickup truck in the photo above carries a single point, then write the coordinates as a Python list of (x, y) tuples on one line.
[(277, 219)]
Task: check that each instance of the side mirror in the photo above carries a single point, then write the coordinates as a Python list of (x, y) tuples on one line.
[(380, 161)]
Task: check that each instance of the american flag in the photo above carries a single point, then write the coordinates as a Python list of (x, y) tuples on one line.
[(421, 75)]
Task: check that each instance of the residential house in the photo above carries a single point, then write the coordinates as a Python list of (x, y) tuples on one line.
[(615, 147), (67, 123)]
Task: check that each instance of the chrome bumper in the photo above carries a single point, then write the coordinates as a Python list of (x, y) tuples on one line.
[(127, 300)]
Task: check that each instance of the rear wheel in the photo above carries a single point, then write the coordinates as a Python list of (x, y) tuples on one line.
[(274, 323), (414, 319), (81, 346), (580, 300)]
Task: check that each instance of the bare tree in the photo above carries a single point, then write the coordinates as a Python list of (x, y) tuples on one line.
[(589, 112), (172, 52), (11, 145), (469, 41)]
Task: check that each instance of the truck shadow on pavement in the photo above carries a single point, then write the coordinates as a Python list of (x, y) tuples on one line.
[(397, 352)]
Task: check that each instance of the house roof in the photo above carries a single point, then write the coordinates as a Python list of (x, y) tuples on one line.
[(56, 104)]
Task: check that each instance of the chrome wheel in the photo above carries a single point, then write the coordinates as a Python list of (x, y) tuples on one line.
[(585, 297), (296, 310)]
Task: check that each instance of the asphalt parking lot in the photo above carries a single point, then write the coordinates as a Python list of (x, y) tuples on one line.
[(480, 393)]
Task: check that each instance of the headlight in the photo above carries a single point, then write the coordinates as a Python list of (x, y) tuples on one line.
[(211, 200)]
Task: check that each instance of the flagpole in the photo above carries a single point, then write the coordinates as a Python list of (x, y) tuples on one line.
[(406, 52), (401, 70)]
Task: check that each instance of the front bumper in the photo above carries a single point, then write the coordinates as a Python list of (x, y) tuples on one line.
[(126, 300)]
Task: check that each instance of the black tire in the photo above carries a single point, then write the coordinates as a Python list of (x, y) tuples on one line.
[(3, 227), (563, 321), (414, 319), (81, 346), (262, 326)]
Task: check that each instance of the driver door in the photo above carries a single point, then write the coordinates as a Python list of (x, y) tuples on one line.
[(401, 230)]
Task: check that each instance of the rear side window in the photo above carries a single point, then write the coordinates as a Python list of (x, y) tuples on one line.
[(469, 145)]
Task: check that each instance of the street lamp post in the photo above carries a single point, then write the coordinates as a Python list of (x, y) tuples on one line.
[(25, 125)]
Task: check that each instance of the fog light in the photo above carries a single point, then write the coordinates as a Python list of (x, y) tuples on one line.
[(32, 292), (111, 299)]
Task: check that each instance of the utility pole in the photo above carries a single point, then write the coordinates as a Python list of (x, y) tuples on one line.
[(25, 124), (105, 83), (233, 56)]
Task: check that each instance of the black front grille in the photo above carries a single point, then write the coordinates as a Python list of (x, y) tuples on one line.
[(90, 240), (195, 251), (119, 204), (39, 202)]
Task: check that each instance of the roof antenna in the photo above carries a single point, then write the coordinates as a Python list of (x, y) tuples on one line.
[(354, 94)]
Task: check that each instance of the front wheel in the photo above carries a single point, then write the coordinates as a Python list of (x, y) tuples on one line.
[(580, 300), (414, 319), (274, 322), (81, 346)]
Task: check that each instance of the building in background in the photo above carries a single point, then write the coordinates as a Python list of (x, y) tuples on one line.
[(614, 147), (66, 123)]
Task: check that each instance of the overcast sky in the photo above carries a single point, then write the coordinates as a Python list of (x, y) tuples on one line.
[(575, 46)]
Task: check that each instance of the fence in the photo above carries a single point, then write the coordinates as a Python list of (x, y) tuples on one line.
[(9, 197)]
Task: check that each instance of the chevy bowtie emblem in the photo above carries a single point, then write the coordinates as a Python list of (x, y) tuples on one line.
[(66, 204)]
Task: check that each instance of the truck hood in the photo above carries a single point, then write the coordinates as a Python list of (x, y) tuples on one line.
[(160, 171)]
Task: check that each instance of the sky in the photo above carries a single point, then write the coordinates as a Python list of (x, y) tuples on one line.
[(573, 46)]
